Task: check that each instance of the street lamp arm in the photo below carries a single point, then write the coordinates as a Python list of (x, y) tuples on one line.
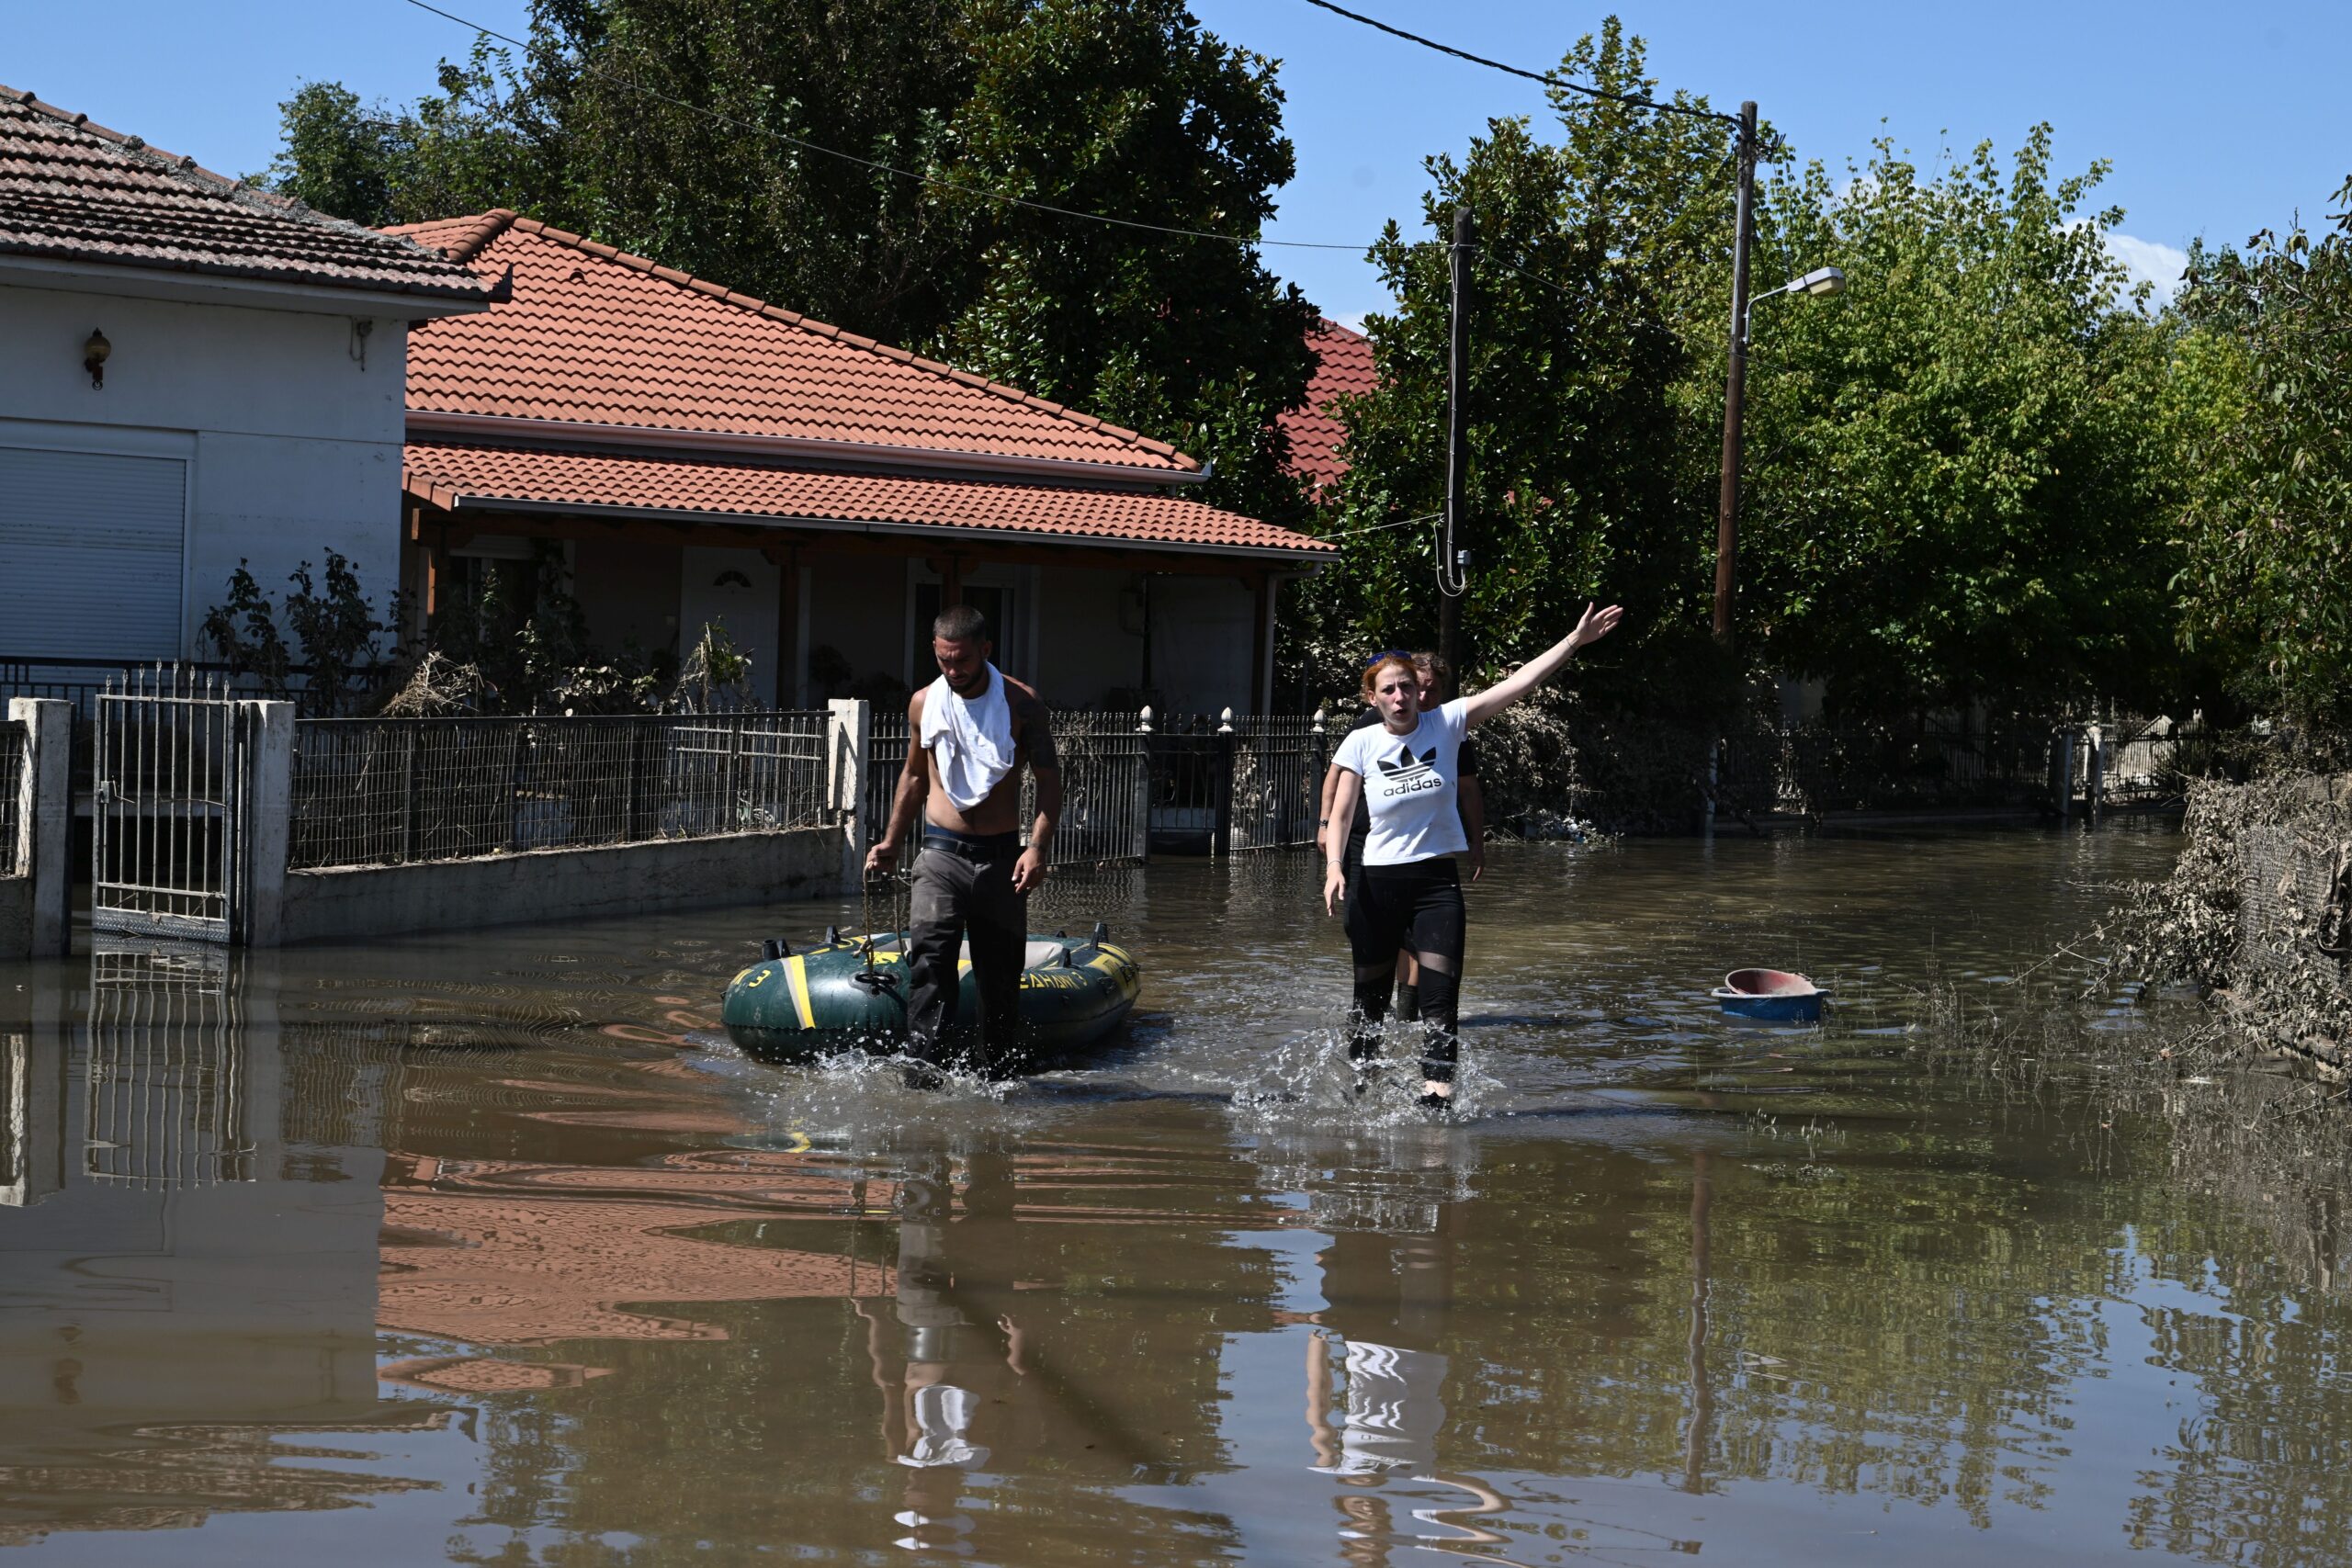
[(1821, 280)]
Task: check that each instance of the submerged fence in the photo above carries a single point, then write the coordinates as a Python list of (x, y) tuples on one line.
[(398, 790)]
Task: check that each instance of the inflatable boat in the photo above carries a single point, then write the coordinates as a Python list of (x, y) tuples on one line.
[(850, 993)]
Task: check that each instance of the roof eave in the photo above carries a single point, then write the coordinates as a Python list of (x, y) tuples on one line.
[(192, 285), (452, 500)]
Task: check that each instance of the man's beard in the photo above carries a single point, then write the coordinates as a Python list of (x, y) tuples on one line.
[(973, 688)]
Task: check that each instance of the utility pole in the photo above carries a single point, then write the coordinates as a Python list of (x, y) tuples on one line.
[(1451, 557), (1735, 382)]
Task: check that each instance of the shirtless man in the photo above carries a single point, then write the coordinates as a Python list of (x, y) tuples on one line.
[(972, 875)]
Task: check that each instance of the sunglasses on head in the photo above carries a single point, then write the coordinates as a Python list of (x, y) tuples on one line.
[(1386, 654)]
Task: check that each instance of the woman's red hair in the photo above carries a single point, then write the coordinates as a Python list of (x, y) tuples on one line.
[(1402, 660)]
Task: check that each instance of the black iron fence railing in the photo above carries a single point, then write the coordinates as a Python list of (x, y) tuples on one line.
[(1132, 783)]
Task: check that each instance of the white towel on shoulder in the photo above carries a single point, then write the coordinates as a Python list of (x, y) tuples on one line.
[(970, 741)]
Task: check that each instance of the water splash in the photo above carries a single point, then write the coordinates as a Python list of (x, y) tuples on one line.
[(1312, 1077)]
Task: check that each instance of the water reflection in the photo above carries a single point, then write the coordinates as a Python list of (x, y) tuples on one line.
[(186, 1267), (958, 1395), (487, 1235)]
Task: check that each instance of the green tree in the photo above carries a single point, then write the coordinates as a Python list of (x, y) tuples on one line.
[(686, 130), (480, 141), (2267, 375), (1957, 473), (1130, 106), (1591, 251)]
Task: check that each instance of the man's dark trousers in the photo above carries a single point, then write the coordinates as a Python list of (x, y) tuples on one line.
[(963, 891)]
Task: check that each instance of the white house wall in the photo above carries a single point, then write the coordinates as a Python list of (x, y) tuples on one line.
[(295, 426)]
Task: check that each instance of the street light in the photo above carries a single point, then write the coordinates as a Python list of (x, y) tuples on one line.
[(1819, 283), (1821, 280)]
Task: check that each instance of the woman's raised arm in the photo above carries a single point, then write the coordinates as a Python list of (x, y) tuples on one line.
[(1594, 626)]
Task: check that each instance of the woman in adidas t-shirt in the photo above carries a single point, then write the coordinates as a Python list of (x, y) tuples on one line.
[(1409, 898)]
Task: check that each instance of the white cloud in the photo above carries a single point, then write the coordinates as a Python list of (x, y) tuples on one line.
[(2149, 261)]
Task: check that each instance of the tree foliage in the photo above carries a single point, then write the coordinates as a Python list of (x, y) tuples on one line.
[(1956, 475), (1958, 479), (2265, 370), (1588, 249)]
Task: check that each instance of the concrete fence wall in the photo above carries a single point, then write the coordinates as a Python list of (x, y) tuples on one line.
[(710, 872), (557, 885), (33, 898)]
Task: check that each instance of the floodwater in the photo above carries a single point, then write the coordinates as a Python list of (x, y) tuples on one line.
[(487, 1248)]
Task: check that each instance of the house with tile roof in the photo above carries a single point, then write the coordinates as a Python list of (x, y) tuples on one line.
[(1343, 368), (698, 456), (199, 373)]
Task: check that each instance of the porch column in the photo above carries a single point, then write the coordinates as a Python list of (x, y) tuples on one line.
[(1261, 652), (791, 627)]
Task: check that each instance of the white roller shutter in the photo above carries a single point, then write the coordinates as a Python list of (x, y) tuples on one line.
[(90, 554)]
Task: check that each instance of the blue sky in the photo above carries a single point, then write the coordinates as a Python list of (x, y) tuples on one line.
[(2219, 120)]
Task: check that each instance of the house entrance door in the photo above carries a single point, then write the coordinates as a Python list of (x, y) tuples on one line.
[(990, 600)]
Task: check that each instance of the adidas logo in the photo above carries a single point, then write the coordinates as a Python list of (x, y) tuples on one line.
[(1408, 774)]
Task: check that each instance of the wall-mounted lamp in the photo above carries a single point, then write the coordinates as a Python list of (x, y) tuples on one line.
[(94, 358)]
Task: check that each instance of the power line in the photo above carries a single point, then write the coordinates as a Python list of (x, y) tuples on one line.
[(935, 180), (1635, 99), (1382, 527)]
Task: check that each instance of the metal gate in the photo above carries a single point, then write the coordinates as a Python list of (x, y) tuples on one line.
[(171, 765)]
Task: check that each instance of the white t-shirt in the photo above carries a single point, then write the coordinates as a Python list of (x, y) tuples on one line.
[(1409, 786)]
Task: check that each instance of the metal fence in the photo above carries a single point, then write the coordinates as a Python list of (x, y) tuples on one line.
[(12, 772), (398, 790), (1131, 785), (169, 813), (1106, 774), (79, 682), (1278, 766), (1807, 770)]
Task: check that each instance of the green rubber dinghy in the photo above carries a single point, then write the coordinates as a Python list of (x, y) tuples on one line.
[(791, 1007)]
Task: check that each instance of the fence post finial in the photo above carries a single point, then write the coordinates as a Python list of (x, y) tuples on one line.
[(1224, 722), (1318, 718), (1143, 720)]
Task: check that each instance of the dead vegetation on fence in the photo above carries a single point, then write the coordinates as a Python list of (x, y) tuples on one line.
[(2257, 913)]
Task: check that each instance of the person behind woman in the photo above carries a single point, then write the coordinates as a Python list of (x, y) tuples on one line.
[(1409, 896)]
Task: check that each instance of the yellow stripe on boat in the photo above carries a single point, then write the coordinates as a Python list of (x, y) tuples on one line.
[(798, 973)]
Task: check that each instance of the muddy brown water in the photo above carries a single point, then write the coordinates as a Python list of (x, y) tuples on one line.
[(486, 1249)]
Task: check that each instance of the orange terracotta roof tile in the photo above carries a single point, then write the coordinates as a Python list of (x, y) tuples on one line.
[(455, 475), (1343, 367), (597, 337), (73, 191)]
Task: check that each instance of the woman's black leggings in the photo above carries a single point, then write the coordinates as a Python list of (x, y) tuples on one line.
[(1414, 908)]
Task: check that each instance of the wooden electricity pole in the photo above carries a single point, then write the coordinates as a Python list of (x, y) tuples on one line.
[(1452, 555), (1735, 382)]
